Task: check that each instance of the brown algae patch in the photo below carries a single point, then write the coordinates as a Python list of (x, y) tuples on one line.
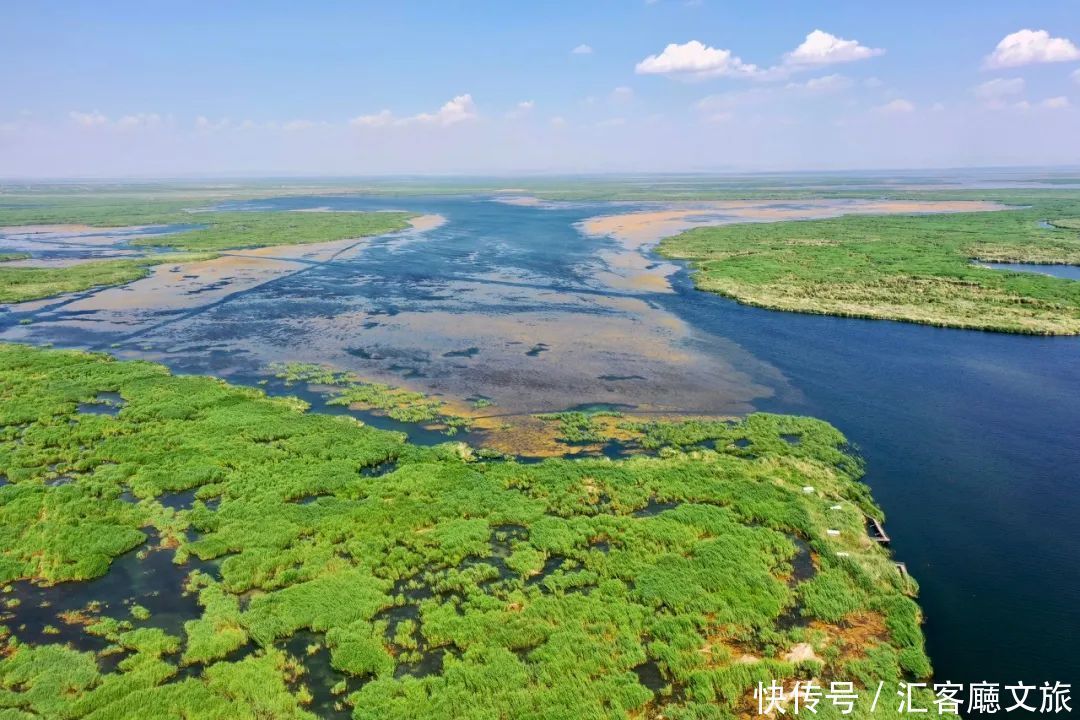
[(639, 228), (423, 223), (540, 361), (631, 268)]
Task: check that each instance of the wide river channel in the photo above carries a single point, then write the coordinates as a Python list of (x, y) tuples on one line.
[(971, 439)]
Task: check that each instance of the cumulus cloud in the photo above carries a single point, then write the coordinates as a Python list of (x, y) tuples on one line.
[(896, 107), (994, 93), (522, 109), (622, 94), (459, 109), (695, 60), (1026, 47), (582, 49), (379, 119), (1076, 76), (558, 121), (1055, 103), (822, 48), (88, 119)]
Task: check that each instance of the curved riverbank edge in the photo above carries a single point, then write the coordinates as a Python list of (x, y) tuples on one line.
[(638, 232), (905, 268)]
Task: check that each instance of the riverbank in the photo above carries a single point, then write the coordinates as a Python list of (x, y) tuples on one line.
[(914, 268)]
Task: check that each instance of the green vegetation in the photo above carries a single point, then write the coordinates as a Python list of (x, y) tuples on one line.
[(909, 268), (349, 390), (10, 257), (19, 284), (439, 586), (580, 427), (233, 230), (205, 231)]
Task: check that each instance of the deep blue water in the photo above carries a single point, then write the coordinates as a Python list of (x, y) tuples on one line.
[(971, 439), (972, 448)]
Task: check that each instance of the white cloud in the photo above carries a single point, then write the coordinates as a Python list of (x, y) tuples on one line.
[(1076, 76), (1055, 103), (88, 119), (695, 59), (622, 94), (822, 48), (1025, 47), (582, 49), (522, 109), (995, 92), (125, 122), (558, 121), (379, 119), (873, 82), (896, 106), (459, 109), (822, 85)]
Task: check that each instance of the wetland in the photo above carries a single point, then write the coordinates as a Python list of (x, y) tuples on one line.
[(517, 437)]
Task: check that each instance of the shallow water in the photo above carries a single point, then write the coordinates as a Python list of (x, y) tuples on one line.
[(1068, 272), (970, 438), (51, 245)]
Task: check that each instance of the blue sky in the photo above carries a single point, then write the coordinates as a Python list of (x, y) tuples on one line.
[(116, 88)]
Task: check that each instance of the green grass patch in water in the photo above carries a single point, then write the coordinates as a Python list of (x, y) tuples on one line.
[(442, 587), (348, 389), (215, 231), (913, 268)]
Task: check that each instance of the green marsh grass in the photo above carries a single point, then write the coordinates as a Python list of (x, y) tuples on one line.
[(443, 587), (913, 268)]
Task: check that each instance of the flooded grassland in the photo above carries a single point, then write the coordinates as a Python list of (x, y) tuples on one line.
[(544, 328)]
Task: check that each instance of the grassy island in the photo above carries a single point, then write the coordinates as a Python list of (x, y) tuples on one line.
[(206, 231), (19, 284), (909, 268), (308, 565)]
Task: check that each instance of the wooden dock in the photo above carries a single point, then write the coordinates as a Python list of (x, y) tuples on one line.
[(876, 531)]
